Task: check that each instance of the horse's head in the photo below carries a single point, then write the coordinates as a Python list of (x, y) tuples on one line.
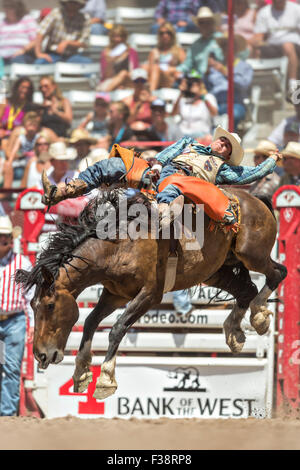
[(55, 313)]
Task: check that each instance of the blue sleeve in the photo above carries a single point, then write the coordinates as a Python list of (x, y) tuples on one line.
[(106, 171), (244, 174), (169, 153)]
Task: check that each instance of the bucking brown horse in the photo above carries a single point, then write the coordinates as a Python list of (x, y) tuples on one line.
[(133, 271)]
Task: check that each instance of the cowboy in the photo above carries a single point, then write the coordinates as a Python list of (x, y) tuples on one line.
[(267, 186), (14, 306), (182, 166)]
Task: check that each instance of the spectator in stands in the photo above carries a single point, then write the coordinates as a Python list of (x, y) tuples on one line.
[(82, 141), (12, 112), (160, 130), (217, 6), (287, 130), (97, 11), (277, 34), (217, 78), (37, 163), (118, 123), (196, 107), (291, 164), (117, 61), (20, 147), (17, 31), (96, 122), (267, 186), (164, 58), (244, 21), (61, 159), (57, 114), (96, 155), (63, 33), (139, 103), (177, 12), (14, 305), (198, 54)]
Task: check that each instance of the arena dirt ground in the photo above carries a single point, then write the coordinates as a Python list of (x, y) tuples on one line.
[(72, 433)]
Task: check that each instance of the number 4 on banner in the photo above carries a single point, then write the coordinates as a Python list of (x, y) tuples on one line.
[(91, 406)]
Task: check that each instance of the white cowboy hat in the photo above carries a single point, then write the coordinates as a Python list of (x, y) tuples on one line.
[(237, 153), (6, 227), (264, 147), (292, 150), (59, 151), (82, 135), (204, 13), (96, 155)]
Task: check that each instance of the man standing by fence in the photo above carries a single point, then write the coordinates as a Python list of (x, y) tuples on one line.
[(13, 304)]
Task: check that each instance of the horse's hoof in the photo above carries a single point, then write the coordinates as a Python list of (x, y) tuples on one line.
[(261, 320), (82, 384), (236, 340), (103, 392)]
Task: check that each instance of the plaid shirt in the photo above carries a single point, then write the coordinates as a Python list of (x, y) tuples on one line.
[(58, 27), (227, 174), (177, 10)]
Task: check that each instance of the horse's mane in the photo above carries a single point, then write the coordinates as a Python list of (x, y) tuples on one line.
[(59, 250)]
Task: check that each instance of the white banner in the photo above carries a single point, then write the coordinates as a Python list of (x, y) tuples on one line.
[(172, 388)]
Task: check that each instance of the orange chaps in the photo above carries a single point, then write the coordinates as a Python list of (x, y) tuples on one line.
[(200, 192)]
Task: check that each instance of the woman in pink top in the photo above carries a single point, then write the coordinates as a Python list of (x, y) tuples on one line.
[(17, 31), (117, 61), (12, 112)]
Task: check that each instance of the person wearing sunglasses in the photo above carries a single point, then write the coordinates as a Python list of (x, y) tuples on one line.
[(164, 58), (291, 164)]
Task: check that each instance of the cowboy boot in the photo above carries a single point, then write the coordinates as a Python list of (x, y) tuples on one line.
[(169, 212), (54, 194)]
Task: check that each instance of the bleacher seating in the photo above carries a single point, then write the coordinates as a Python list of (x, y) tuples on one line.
[(143, 44), (96, 44), (135, 20), (35, 72), (271, 76), (84, 76)]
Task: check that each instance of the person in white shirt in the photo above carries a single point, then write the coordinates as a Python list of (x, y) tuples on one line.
[(277, 33), (14, 303), (61, 156), (196, 107)]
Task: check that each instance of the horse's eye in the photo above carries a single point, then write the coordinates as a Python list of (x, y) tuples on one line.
[(50, 307)]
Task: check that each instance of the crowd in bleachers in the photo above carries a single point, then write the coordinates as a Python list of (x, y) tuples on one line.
[(179, 87)]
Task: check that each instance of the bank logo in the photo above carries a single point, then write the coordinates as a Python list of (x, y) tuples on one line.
[(185, 379)]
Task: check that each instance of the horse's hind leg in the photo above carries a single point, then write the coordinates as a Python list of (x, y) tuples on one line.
[(253, 248), (260, 315), (106, 305), (236, 281), (106, 383)]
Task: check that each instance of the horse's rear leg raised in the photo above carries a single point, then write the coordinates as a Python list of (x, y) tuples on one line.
[(260, 315), (236, 281), (106, 305), (106, 383), (253, 248)]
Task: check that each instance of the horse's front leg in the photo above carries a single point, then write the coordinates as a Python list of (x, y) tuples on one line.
[(106, 383), (106, 305)]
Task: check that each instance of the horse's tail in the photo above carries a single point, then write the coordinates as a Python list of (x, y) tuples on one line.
[(267, 201)]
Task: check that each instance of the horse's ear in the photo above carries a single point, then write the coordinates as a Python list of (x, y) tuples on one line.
[(47, 276)]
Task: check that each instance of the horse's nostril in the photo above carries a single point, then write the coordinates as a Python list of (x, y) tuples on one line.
[(42, 357), (54, 356)]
